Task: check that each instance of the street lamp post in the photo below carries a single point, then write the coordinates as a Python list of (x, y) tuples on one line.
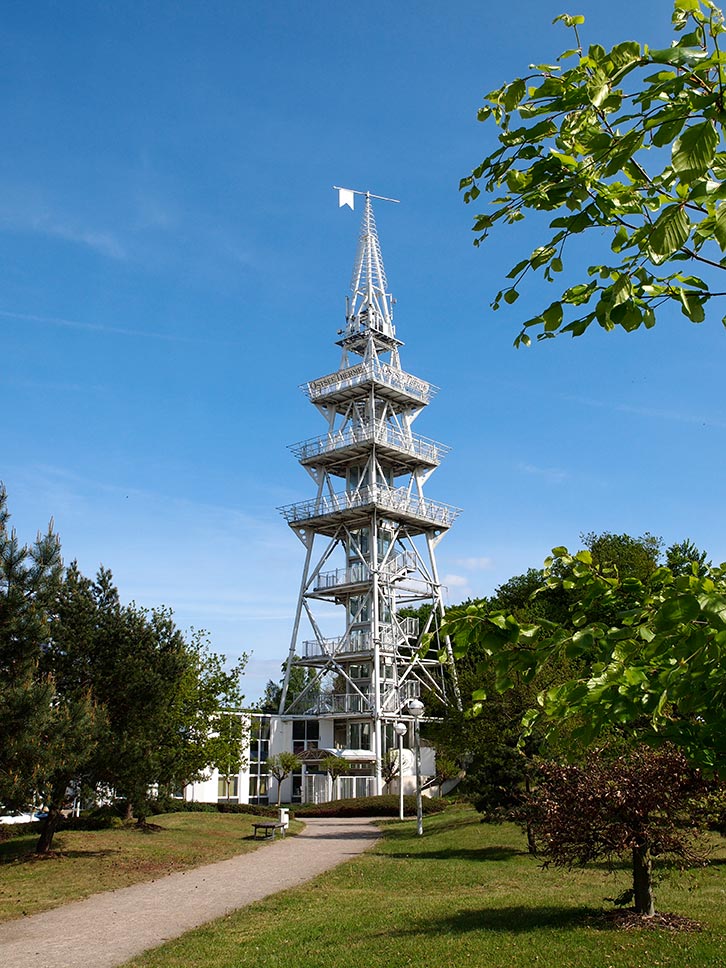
[(400, 729), (416, 710)]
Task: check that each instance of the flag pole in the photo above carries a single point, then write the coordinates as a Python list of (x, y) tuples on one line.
[(354, 191)]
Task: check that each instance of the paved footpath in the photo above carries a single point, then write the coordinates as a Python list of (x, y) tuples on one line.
[(107, 929)]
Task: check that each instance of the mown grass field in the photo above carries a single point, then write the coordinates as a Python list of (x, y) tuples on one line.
[(85, 862), (466, 894)]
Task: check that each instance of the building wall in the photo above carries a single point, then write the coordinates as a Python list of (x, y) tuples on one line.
[(267, 735)]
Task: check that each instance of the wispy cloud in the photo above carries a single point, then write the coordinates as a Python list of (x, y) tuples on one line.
[(112, 330), (654, 413), (26, 213), (458, 582), (475, 564), (552, 475), (103, 242)]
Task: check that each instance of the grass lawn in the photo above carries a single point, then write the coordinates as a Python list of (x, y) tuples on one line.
[(86, 862), (465, 894)]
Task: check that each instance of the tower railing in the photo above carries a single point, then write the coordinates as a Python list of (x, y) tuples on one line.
[(360, 572), (392, 698), (393, 500), (426, 449), (410, 626), (353, 642), (375, 370)]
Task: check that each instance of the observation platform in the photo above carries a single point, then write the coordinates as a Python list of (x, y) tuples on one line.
[(402, 452), (393, 699), (329, 584), (388, 381), (353, 509)]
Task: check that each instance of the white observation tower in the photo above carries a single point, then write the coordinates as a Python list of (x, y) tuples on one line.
[(370, 535)]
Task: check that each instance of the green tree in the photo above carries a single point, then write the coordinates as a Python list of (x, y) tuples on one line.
[(633, 557), (335, 766), (48, 719), (29, 579), (682, 556), (150, 696), (627, 145), (281, 765), (657, 664)]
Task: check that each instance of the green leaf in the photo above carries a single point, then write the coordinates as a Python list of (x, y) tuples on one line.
[(692, 306), (552, 317), (678, 610), (667, 131), (514, 272), (694, 150), (514, 94), (719, 228), (669, 233)]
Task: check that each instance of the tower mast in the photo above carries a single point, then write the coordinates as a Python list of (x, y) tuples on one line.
[(370, 534)]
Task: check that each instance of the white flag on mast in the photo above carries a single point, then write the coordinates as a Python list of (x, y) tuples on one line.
[(346, 197)]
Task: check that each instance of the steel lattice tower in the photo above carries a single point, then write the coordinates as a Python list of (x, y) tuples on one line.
[(370, 546)]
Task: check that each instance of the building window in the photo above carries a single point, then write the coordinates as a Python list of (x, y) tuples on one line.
[(388, 670), (360, 670), (359, 736), (359, 609), (259, 753), (305, 735), (259, 786), (228, 788)]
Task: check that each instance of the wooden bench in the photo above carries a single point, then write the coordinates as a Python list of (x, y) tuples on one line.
[(268, 828)]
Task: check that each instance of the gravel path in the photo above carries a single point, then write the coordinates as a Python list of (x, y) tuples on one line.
[(107, 929)]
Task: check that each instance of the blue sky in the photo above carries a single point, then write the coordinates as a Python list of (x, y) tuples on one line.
[(174, 265)]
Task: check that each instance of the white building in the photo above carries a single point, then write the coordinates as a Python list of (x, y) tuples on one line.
[(310, 739)]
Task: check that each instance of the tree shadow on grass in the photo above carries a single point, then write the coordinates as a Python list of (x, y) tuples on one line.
[(518, 919), (14, 852), (464, 853), (394, 832), (352, 834)]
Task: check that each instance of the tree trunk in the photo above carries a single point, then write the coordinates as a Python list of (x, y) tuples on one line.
[(129, 815), (50, 826), (531, 839), (643, 881)]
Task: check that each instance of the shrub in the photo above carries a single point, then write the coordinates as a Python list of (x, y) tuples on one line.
[(383, 806)]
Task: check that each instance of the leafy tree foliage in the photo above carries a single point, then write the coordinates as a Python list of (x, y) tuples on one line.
[(29, 579), (682, 556), (633, 557), (487, 744), (281, 765), (335, 766), (93, 691), (160, 691), (658, 663), (641, 804), (626, 145)]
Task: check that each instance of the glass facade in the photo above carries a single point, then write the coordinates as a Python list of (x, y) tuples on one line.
[(259, 753)]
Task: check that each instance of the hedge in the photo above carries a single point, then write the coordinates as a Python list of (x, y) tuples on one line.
[(384, 806)]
